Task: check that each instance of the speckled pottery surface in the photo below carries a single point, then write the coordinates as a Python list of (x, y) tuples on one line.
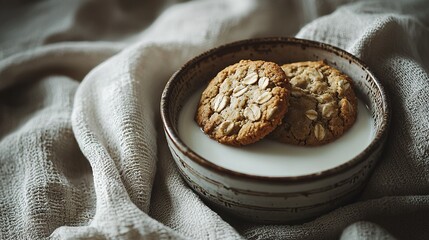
[(260, 197)]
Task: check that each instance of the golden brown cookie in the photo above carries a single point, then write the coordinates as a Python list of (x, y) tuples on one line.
[(322, 106), (244, 102)]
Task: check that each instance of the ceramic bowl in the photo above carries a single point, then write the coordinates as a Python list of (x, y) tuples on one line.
[(264, 198)]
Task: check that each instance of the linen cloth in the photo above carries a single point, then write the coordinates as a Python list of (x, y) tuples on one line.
[(82, 150)]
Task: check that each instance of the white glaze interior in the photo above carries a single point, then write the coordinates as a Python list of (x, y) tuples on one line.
[(273, 159)]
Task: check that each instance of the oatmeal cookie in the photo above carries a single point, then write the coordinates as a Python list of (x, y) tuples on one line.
[(244, 102), (322, 106)]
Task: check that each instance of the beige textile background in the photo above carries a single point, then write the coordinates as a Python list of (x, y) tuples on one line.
[(82, 152)]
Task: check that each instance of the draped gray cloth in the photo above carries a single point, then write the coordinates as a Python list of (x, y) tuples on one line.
[(82, 151)]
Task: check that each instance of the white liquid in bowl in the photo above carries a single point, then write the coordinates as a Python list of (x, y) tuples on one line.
[(271, 158)]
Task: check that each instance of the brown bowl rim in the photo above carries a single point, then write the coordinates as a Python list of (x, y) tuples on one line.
[(378, 139)]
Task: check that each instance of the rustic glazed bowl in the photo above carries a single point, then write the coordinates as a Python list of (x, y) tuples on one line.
[(273, 199)]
